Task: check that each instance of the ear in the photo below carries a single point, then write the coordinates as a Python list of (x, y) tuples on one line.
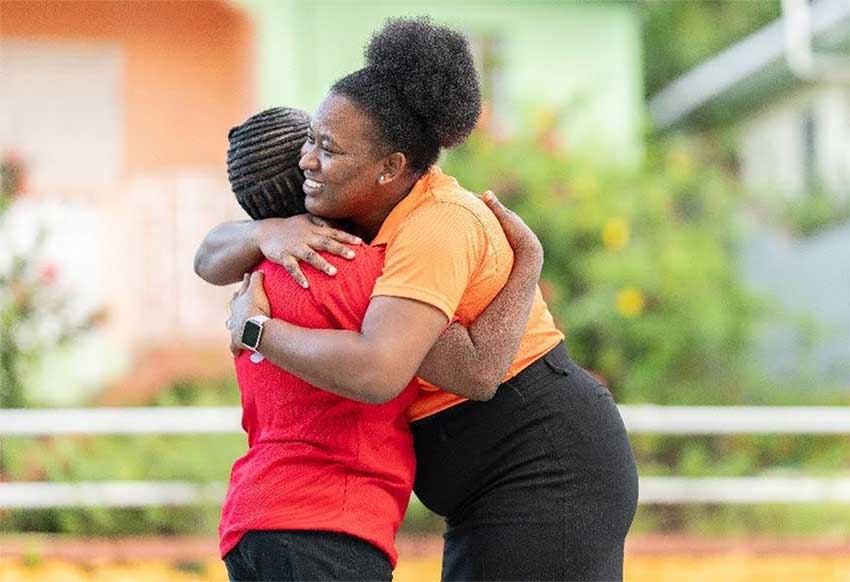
[(393, 167)]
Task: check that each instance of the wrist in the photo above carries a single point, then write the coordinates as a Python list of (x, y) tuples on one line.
[(272, 329), (258, 233)]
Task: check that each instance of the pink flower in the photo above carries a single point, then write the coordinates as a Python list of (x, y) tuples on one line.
[(49, 274)]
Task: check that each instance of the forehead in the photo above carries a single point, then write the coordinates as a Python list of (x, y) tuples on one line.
[(342, 120)]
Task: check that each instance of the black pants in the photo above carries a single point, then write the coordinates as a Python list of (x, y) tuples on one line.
[(305, 555), (539, 483)]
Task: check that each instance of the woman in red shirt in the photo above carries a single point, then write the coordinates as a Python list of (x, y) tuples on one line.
[(323, 487)]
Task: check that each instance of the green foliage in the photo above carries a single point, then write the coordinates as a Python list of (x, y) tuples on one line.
[(808, 214), (724, 521), (678, 35), (640, 266)]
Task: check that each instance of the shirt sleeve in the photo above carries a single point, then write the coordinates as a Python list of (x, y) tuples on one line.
[(434, 256)]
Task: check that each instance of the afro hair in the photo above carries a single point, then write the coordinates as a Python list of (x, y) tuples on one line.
[(420, 86)]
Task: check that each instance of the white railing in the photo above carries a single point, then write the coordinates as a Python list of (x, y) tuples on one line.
[(641, 418), (681, 420)]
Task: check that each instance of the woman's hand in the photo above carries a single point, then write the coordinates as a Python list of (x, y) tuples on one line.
[(249, 300), (522, 239), (300, 238), (233, 248)]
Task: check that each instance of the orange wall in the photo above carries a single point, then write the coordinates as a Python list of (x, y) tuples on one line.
[(188, 69)]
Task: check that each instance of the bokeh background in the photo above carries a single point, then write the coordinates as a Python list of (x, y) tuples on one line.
[(686, 165)]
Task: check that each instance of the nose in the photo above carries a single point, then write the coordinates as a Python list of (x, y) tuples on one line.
[(308, 160)]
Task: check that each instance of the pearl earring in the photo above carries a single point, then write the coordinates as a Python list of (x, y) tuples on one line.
[(381, 179)]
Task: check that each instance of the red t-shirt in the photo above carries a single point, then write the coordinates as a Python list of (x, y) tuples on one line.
[(317, 461)]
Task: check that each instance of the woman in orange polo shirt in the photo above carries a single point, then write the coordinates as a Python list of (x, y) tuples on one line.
[(538, 483)]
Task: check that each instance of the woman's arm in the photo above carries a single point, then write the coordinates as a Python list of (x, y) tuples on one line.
[(371, 365), (472, 362), (232, 249), (376, 364)]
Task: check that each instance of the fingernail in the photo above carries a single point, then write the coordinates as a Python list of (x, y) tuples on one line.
[(304, 284), (349, 254), (358, 240), (331, 270)]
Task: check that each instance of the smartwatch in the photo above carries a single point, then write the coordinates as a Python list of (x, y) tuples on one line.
[(252, 333)]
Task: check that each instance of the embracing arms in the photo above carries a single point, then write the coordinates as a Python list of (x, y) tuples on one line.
[(376, 363), (471, 362)]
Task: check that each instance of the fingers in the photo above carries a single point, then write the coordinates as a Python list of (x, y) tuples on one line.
[(504, 215), (289, 263), (492, 201), (244, 286), (519, 235), (328, 231), (256, 279), (342, 236), (311, 257), (325, 243)]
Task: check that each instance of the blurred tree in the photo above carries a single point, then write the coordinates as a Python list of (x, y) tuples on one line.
[(678, 34)]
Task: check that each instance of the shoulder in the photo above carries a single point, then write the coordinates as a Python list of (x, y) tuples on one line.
[(453, 203), (452, 217)]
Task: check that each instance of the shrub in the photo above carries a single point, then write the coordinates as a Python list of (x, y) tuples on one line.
[(640, 266)]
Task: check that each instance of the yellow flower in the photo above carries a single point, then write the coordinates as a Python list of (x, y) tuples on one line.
[(630, 302), (615, 233)]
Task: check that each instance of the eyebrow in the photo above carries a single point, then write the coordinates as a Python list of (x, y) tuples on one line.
[(324, 137), (331, 142)]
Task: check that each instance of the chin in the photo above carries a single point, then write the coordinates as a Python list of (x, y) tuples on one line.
[(317, 208), (313, 206)]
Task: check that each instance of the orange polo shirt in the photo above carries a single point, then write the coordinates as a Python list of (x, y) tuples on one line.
[(447, 249)]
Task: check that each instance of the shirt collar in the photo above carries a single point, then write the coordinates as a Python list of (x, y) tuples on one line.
[(417, 195)]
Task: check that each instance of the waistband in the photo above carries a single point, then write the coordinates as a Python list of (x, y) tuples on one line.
[(555, 361)]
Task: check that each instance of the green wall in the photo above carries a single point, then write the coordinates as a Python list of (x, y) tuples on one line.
[(583, 56)]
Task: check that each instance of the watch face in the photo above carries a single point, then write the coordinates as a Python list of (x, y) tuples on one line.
[(251, 334)]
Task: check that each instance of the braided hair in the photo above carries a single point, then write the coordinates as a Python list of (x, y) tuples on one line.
[(420, 88), (262, 162)]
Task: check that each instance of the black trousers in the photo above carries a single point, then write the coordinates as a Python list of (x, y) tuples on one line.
[(539, 483), (305, 555)]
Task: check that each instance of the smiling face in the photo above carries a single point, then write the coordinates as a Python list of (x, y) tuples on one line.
[(340, 163)]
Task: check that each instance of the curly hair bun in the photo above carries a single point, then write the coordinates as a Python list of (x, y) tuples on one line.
[(432, 69)]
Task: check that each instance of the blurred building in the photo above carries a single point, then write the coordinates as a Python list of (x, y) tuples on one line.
[(580, 58), (792, 138), (793, 131), (119, 112)]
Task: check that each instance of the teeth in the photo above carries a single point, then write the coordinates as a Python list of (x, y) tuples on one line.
[(312, 183)]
